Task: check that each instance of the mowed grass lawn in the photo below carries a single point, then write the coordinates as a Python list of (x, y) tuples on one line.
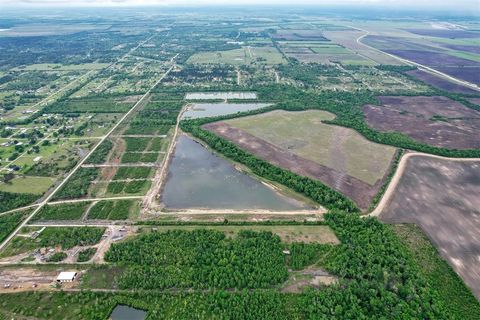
[(245, 55), (288, 234), (304, 134), (26, 184)]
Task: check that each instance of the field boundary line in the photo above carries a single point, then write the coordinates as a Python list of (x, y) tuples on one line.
[(388, 195)]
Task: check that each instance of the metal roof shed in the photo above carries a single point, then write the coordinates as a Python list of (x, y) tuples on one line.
[(66, 276)]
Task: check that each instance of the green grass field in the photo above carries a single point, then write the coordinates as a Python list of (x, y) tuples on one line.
[(28, 184), (304, 134), (246, 55)]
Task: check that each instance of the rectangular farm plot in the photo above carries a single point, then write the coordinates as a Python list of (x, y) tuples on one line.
[(435, 120), (301, 143), (69, 211), (113, 210), (134, 187)]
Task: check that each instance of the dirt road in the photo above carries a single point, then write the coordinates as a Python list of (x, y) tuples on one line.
[(82, 161), (161, 174), (399, 173)]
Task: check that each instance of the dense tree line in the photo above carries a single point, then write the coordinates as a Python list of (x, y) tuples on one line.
[(311, 188), (10, 200), (8, 223), (378, 279), (200, 259), (70, 237)]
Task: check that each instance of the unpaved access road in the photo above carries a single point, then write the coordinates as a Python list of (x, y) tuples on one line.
[(82, 161), (442, 197)]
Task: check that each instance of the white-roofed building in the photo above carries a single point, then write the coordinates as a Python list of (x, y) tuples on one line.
[(66, 276)]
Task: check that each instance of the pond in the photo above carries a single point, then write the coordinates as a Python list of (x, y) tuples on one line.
[(201, 179), (220, 95), (122, 312), (201, 110)]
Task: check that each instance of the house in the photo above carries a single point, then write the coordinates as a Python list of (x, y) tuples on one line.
[(66, 276)]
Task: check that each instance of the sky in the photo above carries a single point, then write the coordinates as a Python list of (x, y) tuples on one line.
[(464, 5)]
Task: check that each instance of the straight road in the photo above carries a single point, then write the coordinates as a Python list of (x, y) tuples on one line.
[(409, 62), (81, 162)]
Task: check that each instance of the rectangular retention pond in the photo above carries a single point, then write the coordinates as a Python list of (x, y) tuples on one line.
[(199, 179), (220, 95)]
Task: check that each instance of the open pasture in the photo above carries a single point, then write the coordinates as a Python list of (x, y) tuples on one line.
[(301, 143), (243, 56), (323, 53), (441, 197), (435, 120), (28, 184)]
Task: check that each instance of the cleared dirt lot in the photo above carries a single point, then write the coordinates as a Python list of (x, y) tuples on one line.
[(436, 120), (442, 197), (301, 143)]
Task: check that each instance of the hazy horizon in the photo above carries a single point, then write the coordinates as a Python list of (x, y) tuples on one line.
[(467, 6)]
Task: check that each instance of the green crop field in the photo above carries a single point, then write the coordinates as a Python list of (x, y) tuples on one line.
[(304, 134)]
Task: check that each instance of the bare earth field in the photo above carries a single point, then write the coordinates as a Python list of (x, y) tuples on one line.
[(437, 58), (337, 156), (436, 120), (440, 83), (441, 196)]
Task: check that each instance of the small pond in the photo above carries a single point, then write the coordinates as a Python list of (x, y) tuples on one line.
[(122, 312)]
